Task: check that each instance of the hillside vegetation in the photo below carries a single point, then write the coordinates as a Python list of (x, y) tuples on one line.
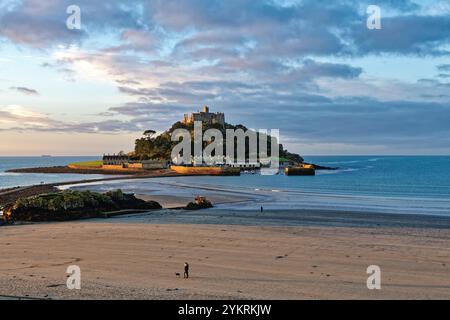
[(160, 147)]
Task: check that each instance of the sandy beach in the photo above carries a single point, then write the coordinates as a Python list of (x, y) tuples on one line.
[(139, 261), (235, 250)]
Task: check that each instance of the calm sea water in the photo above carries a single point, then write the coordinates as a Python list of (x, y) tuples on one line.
[(394, 184), (8, 180), (418, 185), (363, 175)]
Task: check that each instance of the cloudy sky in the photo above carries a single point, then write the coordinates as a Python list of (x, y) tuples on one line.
[(311, 68)]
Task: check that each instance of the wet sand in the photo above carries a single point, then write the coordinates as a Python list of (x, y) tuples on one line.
[(139, 261)]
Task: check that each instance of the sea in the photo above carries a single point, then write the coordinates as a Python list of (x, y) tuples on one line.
[(9, 180), (385, 184)]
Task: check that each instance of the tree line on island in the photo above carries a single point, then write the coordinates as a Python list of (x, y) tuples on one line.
[(153, 146)]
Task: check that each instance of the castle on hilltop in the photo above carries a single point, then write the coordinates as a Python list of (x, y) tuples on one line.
[(205, 116)]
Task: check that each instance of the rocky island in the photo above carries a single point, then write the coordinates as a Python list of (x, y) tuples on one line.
[(152, 154)]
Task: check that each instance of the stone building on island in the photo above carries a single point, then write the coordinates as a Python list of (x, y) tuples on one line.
[(122, 161), (206, 117)]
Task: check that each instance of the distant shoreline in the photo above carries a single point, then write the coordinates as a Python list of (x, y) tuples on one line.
[(68, 170)]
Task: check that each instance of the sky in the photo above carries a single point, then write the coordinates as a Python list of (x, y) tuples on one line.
[(310, 68)]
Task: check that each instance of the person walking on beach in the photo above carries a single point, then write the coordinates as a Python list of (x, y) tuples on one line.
[(186, 270), (262, 209)]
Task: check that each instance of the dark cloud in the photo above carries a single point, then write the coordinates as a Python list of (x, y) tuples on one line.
[(444, 67), (27, 91), (231, 28), (408, 35), (312, 70), (356, 121), (35, 23), (183, 14), (42, 24)]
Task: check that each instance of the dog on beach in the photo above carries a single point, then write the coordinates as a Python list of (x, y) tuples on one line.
[(177, 274)]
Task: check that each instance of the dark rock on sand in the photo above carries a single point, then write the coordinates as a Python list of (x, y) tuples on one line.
[(72, 205), (200, 203)]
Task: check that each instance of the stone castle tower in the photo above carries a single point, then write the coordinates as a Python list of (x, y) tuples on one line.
[(205, 116)]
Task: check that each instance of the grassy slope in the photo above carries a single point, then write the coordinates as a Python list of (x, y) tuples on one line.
[(91, 164)]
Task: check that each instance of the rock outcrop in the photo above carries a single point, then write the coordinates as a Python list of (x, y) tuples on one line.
[(199, 203), (72, 205)]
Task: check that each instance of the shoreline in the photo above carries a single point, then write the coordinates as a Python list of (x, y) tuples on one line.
[(68, 170)]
